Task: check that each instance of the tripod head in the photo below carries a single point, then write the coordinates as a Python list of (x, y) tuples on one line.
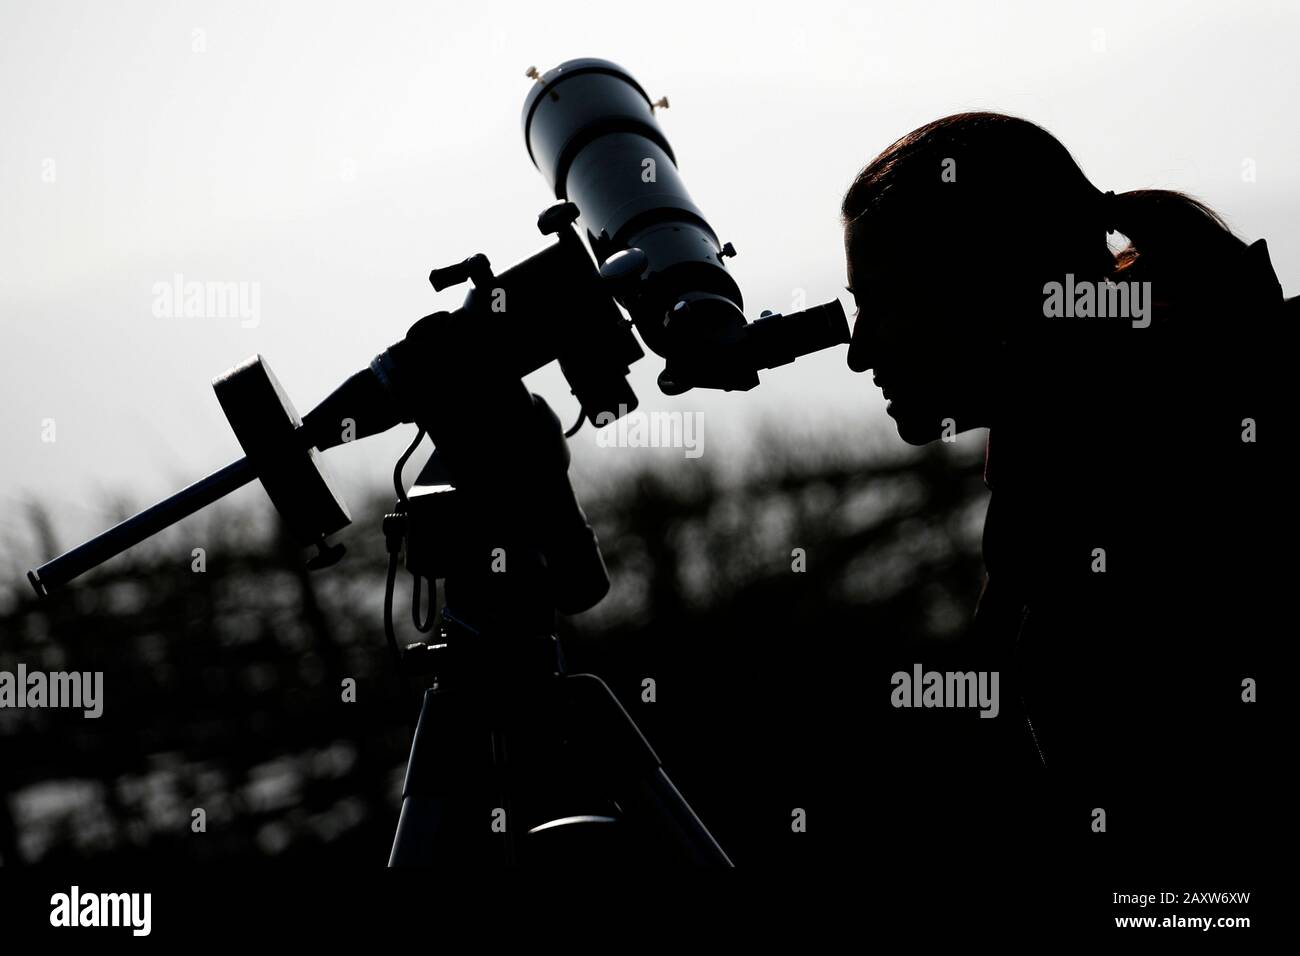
[(591, 130)]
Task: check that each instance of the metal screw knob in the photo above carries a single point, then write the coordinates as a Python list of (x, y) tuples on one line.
[(556, 217)]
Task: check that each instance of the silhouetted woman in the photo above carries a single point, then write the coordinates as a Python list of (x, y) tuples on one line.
[(1127, 544)]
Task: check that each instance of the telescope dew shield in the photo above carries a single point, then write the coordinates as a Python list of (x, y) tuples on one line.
[(591, 132)]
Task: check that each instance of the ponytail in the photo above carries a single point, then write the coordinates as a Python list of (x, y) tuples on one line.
[(1169, 231)]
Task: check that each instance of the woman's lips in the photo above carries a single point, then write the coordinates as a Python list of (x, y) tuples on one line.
[(887, 385)]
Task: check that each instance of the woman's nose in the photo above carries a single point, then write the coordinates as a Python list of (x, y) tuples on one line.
[(860, 350)]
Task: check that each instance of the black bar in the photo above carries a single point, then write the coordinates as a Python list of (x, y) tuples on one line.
[(135, 529)]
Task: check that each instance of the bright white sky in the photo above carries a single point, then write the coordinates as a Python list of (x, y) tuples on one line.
[(334, 152)]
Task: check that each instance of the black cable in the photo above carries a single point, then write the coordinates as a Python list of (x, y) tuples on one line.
[(394, 533), (402, 501), (427, 626), (389, 632), (391, 635), (401, 463)]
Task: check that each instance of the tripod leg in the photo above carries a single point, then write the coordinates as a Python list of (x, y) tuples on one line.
[(445, 804), (424, 813), (502, 779), (636, 778), (657, 798)]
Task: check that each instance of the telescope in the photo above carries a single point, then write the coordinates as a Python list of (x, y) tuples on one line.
[(495, 496), (591, 135), (591, 131)]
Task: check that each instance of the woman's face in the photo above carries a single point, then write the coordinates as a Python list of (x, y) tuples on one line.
[(926, 326)]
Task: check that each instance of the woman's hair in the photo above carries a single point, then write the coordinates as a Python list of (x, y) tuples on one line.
[(990, 171)]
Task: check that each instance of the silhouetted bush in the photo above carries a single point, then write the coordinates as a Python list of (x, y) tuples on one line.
[(222, 687)]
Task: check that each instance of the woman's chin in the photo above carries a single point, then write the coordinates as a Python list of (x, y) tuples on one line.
[(913, 429)]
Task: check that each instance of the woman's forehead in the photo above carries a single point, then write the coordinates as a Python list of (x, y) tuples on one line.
[(870, 249), (873, 242)]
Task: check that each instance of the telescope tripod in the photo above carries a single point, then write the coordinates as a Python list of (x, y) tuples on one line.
[(506, 739), (513, 760)]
